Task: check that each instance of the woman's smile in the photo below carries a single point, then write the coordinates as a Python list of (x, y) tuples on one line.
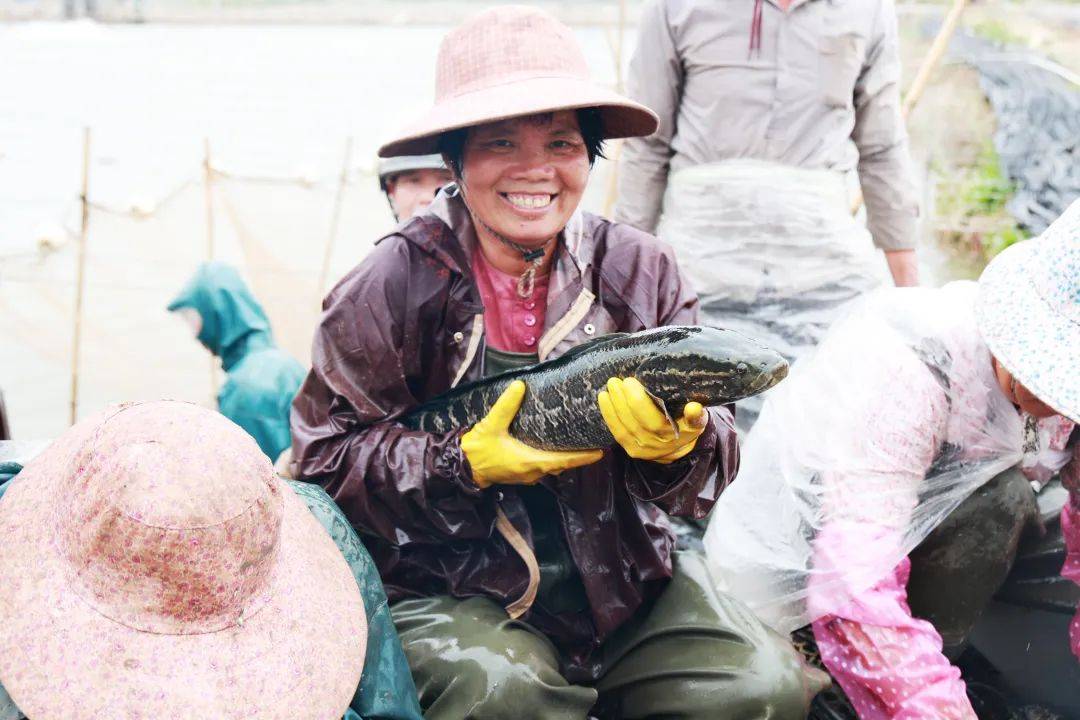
[(531, 204)]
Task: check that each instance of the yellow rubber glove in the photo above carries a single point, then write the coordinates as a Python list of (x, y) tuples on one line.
[(498, 458), (642, 429)]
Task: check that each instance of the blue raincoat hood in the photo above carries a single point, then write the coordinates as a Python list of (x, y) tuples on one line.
[(262, 379), (233, 322)]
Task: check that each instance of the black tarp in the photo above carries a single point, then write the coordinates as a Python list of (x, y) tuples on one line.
[(1037, 107)]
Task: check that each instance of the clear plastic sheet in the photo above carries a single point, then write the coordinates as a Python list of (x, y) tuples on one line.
[(875, 437), (772, 251)]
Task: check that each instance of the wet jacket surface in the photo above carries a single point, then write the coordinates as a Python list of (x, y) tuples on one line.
[(407, 325), (261, 378)]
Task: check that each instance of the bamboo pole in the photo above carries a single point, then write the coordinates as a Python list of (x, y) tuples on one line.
[(80, 276), (208, 185), (926, 69), (933, 57), (208, 188), (339, 200)]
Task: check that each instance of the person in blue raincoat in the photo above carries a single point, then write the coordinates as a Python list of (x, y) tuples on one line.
[(262, 378)]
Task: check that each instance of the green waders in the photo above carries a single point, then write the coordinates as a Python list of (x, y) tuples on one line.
[(696, 653), (957, 569)]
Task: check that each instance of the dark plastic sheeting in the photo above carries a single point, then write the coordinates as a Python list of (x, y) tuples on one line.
[(1038, 133)]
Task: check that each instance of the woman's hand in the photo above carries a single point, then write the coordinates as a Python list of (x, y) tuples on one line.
[(643, 431), (497, 458)]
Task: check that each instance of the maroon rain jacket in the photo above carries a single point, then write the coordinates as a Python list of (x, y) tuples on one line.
[(405, 326)]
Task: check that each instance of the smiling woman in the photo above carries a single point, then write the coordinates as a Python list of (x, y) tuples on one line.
[(522, 179), (471, 526)]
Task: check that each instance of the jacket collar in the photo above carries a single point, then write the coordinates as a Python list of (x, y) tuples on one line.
[(572, 263)]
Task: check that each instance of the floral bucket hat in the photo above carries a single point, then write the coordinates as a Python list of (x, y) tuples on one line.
[(155, 567), (1028, 312)]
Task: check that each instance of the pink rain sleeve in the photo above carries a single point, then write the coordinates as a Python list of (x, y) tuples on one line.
[(1070, 528), (889, 663)]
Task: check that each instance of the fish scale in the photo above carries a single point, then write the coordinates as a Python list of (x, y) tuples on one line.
[(676, 364)]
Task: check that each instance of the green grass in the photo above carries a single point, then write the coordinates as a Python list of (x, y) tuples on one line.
[(999, 32), (976, 199)]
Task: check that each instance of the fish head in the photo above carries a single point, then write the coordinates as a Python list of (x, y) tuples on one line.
[(710, 365)]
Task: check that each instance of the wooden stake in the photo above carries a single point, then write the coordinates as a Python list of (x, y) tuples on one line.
[(331, 240), (208, 184), (933, 57), (80, 276), (926, 69)]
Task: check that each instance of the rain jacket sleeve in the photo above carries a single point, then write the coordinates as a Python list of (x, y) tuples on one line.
[(650, 290), (891, 200), (257, 397), (690, 486), (8, 709), (1070, 528), (889, 663), (408, 485), (386, 690)]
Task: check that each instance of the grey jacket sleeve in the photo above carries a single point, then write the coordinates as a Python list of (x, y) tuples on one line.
[(655, 80), (892, 206)]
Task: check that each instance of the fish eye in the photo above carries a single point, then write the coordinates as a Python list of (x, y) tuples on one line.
[(741, 368)]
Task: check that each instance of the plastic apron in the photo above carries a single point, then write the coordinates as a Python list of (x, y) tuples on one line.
[(773, 251)]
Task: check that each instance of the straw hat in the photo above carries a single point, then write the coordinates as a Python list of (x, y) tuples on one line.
[(154, 566), (1029, 313), (512, 61)]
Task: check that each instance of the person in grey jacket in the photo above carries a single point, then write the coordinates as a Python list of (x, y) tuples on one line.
[(766, 109)]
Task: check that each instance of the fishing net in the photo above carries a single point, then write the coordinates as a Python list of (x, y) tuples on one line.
[(872, 441), (139, 252), (277, 105)]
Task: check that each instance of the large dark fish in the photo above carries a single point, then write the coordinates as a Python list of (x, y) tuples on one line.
[(675, 364)]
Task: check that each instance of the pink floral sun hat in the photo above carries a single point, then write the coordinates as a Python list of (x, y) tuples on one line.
[(155, 567), (512, 61), (1028, 312)]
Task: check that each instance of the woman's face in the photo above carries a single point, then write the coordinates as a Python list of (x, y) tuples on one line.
[(1020, 395), (524, 177), (191, 318)]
